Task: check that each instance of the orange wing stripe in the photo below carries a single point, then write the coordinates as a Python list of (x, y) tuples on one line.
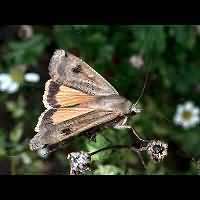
[(64, 114), (56, 95)]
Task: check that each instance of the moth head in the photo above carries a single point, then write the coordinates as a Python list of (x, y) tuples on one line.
[(135, 110)]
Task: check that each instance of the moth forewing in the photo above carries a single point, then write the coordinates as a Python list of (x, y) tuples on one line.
[(69, 70), (73, 127)]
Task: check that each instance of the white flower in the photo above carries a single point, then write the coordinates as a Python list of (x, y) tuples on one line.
[(43, 153), (7, 84), (136, 61), (32, 77), (187, 115)]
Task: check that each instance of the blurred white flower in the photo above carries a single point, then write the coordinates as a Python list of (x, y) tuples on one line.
[(187, 115), (136, 61), (7, 84), (25, 31), (32, 77), (43, 153)]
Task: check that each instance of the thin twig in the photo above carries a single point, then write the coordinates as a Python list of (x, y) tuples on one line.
[(110, 147)]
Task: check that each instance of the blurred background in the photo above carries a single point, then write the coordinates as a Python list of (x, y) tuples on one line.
[(124, 55)]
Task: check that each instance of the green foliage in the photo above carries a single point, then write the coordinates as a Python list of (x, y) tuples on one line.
[(16, 133), (17, 108), (2, 144), (28, 52), (108, 170), (170, 54)]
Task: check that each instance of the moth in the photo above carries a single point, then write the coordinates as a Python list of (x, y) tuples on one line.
[(78, 100)]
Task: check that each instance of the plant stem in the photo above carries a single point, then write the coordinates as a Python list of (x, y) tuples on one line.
[(13, 164), (110, 147), (138, 151)]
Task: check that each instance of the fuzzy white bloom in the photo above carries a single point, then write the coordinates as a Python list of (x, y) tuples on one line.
[(187, 115), (32, 77), (7, 84), (43, 153), (136, 61), (25, 31)]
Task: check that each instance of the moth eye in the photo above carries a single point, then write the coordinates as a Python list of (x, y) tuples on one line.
[(77, 69)]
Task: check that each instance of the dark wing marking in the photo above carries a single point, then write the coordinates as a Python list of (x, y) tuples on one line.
[(69, 70), (53, 134)]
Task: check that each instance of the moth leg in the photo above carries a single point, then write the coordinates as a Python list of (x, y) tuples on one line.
[(130, 128)]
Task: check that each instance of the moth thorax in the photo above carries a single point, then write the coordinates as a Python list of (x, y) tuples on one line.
[(135, 110)]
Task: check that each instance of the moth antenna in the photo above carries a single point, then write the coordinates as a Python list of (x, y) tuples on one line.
[(142, 92)]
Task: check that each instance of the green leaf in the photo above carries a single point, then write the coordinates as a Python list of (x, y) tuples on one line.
[(149, 39), (184, 35), (101, 142), (16, 108), (108, 170)]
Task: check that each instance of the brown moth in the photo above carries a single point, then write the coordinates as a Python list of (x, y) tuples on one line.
[(78, 100)]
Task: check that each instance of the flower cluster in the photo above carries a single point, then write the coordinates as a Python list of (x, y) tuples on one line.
[(80, 162)]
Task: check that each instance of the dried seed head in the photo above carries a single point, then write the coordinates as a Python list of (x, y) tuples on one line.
[(80, 162), (157, 150)]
